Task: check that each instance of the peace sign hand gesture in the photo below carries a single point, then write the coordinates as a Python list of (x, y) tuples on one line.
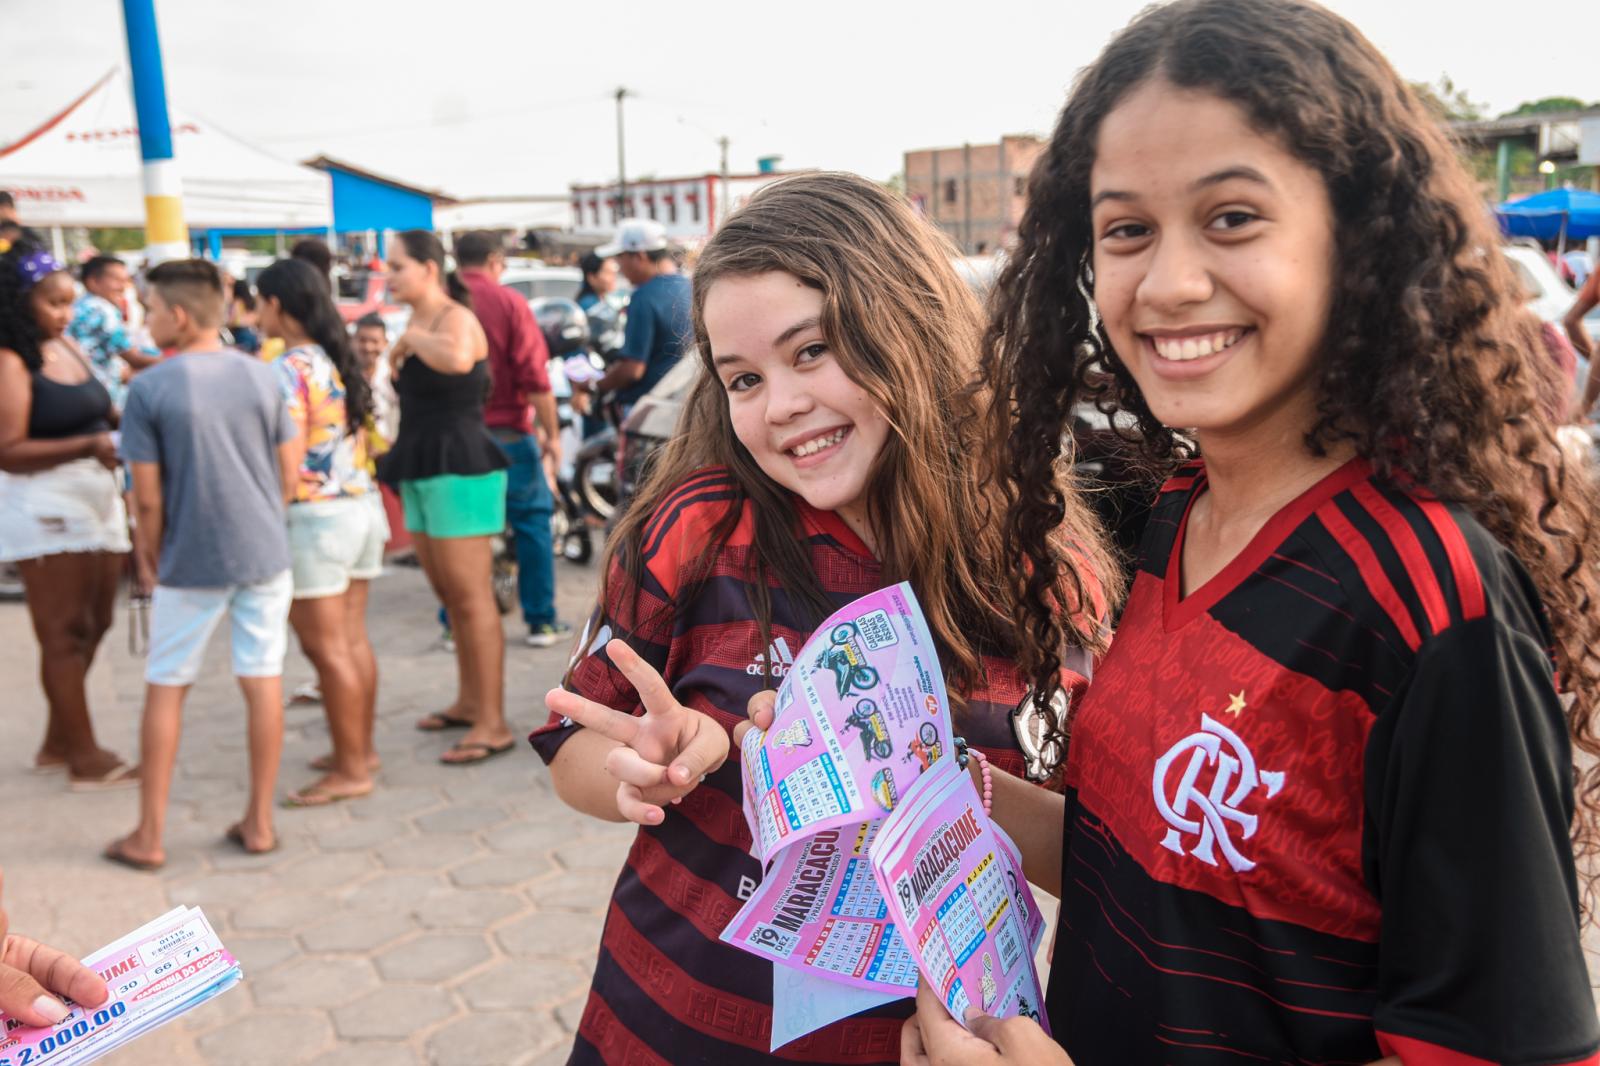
[(662, 754)]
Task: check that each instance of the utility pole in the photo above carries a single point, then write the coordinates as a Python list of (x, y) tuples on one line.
[(722, 142), (166, 237), (622, 166)]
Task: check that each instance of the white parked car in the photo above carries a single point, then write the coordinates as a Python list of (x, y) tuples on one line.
[(541, 282), (1548, 296)]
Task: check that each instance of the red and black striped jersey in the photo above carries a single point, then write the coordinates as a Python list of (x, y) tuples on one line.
[(1318, 809), (665, 988)]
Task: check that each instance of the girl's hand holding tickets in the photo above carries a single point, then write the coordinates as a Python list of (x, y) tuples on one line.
[(664, 753), (761, 709), (933, 1038)]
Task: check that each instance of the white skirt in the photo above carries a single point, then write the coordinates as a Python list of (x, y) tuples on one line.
[(75, 507)]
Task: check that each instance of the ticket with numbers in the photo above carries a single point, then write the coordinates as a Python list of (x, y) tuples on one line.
[(952, 881), (862, 714), (156, 973)]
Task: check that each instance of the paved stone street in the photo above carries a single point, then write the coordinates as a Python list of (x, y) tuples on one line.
[(451, 917)]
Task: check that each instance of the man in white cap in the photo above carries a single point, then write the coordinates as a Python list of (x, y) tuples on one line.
[(658, 311)]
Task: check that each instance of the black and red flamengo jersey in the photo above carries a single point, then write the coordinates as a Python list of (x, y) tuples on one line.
[(665, 989), (1318, 809)]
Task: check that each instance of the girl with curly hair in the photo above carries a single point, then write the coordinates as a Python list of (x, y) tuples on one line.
[(830, 447), (1319, 796), (61, 512)]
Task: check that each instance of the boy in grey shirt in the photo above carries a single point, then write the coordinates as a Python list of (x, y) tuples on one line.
[(210, 442)]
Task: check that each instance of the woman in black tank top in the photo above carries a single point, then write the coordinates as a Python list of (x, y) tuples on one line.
[(451, 476), (61, 514)]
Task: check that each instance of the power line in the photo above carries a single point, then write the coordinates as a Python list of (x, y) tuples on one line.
[(486, 116)]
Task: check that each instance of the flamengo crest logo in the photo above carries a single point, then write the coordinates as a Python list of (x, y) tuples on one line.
[(1210, 807)]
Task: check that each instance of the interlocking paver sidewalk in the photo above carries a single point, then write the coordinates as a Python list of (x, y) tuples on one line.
[(451, 917)]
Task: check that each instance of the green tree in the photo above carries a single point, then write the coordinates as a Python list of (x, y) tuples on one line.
[(1448, 101), (1546, 105), (896, 183), (117, 240)]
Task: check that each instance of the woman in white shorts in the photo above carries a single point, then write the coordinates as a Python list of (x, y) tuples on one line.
[(61, 514), (337, 528)]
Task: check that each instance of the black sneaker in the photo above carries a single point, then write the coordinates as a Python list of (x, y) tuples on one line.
[(549, 634)]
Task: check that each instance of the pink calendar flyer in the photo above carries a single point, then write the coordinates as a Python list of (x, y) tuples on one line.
[(954, 889), (861, 716)]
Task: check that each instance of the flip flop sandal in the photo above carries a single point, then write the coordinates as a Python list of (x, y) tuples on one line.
[(438, 722), (47, 769), (312, 796), (235, 836), (119, 776), (478, 753), (307, 694), (114, 853)]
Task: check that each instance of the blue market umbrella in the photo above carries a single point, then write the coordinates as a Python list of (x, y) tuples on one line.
[(1558, 215)]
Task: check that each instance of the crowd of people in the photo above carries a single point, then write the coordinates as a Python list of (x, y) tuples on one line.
[(246, 436), (1310, 776)]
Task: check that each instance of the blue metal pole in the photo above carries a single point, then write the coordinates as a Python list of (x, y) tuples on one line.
[(166, 236)]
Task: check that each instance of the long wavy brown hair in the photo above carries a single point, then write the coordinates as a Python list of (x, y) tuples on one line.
[(906, 329), (1430, 367)]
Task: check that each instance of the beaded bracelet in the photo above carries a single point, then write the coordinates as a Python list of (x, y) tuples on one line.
[(964, 752)]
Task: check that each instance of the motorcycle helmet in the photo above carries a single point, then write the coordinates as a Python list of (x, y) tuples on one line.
[(605, 328), (565, 326)]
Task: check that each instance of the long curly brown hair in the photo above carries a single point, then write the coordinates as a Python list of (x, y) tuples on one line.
[(1430, 366), (908, 330)]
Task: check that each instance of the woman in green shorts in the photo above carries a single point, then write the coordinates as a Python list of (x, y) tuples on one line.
[(452, 481)]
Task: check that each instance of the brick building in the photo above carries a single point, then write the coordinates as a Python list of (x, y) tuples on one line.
[(975, 193)]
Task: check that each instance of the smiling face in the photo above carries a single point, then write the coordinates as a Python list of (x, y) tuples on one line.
[(51, 303), (370, 343), (1213, 263), (111, 283), (802, 419)]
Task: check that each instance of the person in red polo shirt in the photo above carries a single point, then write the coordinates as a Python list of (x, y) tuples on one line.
[(520, 390)]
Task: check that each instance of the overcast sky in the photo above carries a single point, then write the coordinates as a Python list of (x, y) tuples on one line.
[(502, 97)]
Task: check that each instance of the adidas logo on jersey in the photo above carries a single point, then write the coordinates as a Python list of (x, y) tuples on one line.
[(778, 654)]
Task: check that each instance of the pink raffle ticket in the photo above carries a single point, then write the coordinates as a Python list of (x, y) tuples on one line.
[(861, 718), (155, 974)]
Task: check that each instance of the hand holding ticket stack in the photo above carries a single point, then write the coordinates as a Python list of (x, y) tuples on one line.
[(860, 745), (156, 973)]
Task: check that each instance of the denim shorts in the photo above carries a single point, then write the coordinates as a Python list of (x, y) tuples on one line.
[(183, 619), (334, 542)]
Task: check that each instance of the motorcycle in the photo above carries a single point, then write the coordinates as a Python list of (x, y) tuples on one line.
[(595, 476), (585, 484)]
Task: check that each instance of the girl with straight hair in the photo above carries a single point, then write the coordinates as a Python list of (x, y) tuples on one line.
[(451, 476), (1320, 801), (337, 527), (829, 448)]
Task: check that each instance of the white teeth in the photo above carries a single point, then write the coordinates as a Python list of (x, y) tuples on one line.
[(812, 447), (1182, 349)]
